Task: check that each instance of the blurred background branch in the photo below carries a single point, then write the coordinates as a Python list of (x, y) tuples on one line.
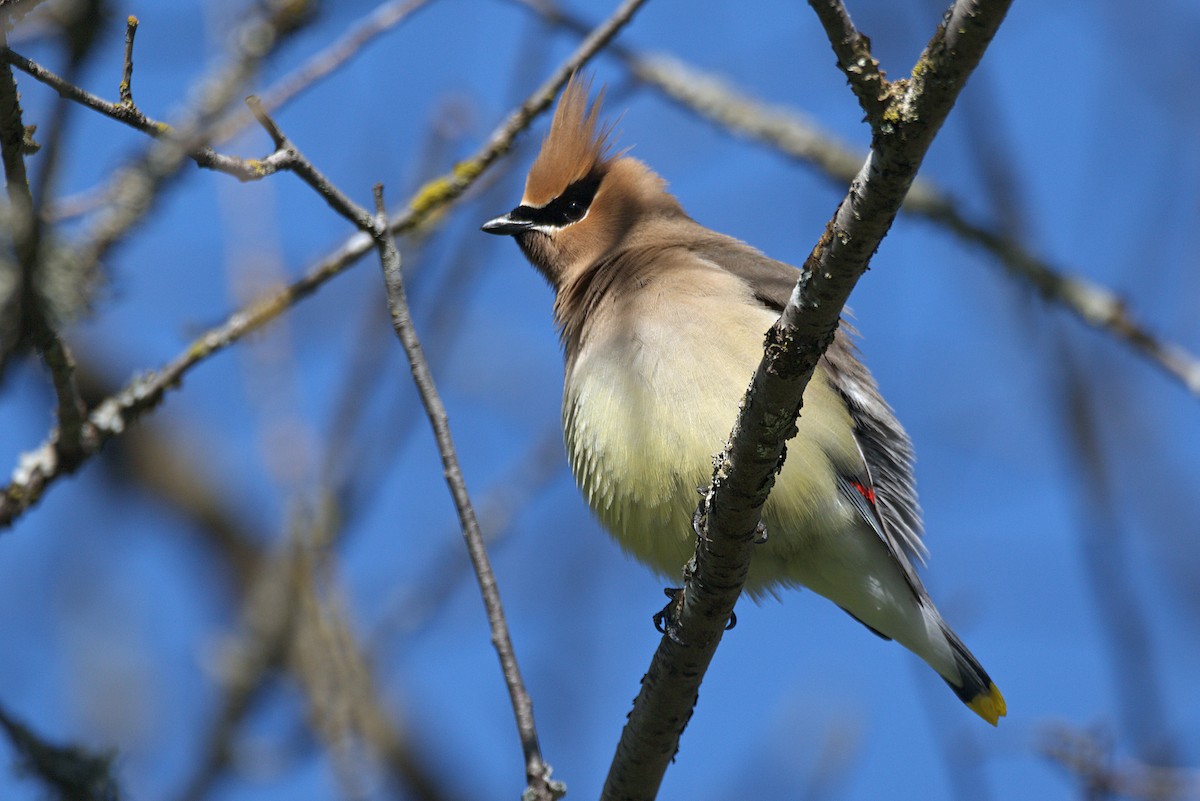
[(68, 773)]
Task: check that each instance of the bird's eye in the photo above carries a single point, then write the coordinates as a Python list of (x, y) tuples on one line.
[(574, 211)]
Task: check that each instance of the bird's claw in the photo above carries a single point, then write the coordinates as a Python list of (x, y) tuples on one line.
[(700, 518), (667, 620)]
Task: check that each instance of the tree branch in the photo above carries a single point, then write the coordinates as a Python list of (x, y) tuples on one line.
[(26, 306), (540, 785), (745, 470), (125, 90), (134, 190), (853, 51)]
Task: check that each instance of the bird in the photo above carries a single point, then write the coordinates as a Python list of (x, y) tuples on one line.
[(662, 323)]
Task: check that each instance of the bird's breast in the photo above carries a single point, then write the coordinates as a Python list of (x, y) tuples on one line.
[(651, 397)]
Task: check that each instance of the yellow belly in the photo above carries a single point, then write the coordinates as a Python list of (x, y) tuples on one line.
[(645, 412)]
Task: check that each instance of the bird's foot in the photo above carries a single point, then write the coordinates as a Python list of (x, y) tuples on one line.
[(700, 516), (667, 621)]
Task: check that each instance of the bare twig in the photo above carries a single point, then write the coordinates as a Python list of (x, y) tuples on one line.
[(380, 20), (125, 90), (540, 787), (134, 191), (287, 157), (21, 299), (853, 51), (135, 188), (746, 469), (203, 155)]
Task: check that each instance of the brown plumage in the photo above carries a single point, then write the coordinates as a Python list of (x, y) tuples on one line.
[(662, 322)]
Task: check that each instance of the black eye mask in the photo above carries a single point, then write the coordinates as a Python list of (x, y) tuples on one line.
[(565, 209)]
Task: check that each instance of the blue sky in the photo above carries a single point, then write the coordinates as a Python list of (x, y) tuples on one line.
[(116, 611)]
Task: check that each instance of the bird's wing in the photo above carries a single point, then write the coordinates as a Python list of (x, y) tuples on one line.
[(886, 449)]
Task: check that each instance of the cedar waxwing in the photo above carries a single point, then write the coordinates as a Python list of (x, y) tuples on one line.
[(662, 324)]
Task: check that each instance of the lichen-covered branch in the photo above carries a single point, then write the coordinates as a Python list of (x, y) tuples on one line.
[(853, 51)]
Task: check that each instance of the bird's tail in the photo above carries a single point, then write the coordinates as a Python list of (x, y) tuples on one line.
[(974, 687)]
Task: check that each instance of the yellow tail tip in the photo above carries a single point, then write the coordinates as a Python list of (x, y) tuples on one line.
[(989, 705)]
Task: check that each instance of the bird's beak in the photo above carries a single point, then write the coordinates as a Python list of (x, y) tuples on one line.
[(505, 225)]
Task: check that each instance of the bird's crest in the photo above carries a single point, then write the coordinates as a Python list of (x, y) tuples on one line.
[(574, 147)]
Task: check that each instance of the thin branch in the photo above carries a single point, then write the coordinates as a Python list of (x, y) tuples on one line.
[(853, 51), (188, 138), (125, 90), (75, 434), (29, 311), (38, 469), (135, 188), (537, 772), (1092, 303), (288, 157), (125, 114), (133, 194), (380, 20), (203, 155), (22, 301), (730, 513)]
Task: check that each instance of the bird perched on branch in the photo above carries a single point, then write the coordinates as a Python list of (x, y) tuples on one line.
[(662, 323)]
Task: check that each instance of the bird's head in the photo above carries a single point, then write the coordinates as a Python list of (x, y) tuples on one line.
[(581, 201)]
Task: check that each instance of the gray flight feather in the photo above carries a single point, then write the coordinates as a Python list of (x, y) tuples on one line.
[(886, 448)]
